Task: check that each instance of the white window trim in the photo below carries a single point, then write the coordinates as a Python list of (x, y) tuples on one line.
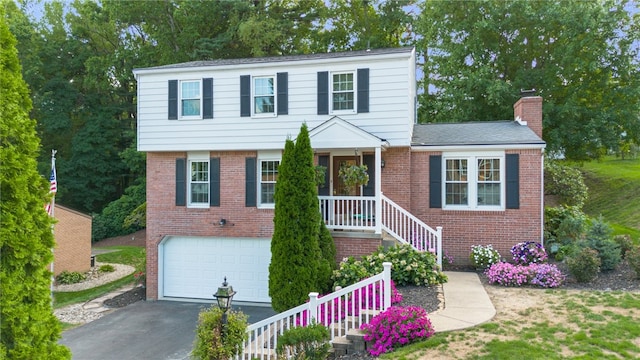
[(472, 171), (355, 93), (265, 156), (275, 97), (198, 157), (180, 98)]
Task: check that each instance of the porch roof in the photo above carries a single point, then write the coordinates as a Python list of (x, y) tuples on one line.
[(474, 133), (337, 133)]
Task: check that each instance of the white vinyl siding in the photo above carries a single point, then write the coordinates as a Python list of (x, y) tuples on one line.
[(390, 116)]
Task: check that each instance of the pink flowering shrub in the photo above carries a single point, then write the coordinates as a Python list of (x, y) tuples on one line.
[(543, 275), (529, 252), (506, 274), (397, 326)]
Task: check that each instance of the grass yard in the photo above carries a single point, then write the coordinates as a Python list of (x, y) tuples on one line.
[(128, 255), (557, 324), (614, 192)]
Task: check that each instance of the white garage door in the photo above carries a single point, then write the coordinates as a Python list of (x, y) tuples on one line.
[(194, 267)]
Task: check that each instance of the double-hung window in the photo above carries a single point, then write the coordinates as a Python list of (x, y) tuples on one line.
[(198, 181), (342, 92), (264, 95), (190, 99), (474, 181), (268, 163)]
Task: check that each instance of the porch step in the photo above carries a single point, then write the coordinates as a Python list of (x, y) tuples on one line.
[(352, 343), (388, 240)]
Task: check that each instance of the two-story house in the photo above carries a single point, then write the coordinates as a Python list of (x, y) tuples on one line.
[(214, 132)]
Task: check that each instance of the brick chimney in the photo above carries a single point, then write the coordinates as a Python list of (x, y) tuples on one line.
[(529, 109)]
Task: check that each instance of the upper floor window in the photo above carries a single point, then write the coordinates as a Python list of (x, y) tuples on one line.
[(474, 182), (198, 182), (268, 179), (190, 99), (342, 91), (263, 95)]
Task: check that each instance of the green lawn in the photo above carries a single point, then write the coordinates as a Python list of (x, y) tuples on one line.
[(614, 193), (570, 325), (128, 255)]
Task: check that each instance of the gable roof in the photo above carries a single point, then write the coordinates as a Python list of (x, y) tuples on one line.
[(284, 58), (337, 133), (474, 134)]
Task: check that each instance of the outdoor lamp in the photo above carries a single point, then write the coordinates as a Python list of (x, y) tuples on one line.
[(224, 295)]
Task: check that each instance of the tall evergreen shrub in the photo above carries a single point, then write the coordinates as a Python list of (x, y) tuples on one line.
[(28, 328)]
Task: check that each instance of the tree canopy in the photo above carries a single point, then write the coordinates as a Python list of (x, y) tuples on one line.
[(580, 56)]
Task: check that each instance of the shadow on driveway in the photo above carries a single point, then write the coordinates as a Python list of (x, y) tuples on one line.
[(145, 330)]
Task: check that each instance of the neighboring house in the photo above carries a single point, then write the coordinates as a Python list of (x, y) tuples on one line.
[(214, 132), (72, 233)]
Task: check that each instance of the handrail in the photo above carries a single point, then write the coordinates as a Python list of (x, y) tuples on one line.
[(341, 310), (408, 229)]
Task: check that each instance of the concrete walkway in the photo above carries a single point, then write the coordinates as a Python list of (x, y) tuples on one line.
[(466, 303)]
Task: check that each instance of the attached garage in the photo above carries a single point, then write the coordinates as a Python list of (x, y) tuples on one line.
[(194, 267)]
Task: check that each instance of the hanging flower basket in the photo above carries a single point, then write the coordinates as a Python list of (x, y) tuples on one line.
[(353, 176)]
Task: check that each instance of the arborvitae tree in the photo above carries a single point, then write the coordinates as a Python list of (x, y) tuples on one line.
[(295, 253), (328, 260), (28, 328)]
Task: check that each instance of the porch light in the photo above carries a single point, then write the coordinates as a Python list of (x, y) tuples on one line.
[(224, 296)]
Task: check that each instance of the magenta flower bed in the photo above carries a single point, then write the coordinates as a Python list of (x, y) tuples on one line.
[(543, 275), (397, 326)]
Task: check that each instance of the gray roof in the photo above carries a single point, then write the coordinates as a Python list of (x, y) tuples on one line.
[(272, 59), (474, 133)]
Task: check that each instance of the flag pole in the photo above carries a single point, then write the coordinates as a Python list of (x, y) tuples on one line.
[(53, 177)]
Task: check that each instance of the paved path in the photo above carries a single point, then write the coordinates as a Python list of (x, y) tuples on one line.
[(466, 303)]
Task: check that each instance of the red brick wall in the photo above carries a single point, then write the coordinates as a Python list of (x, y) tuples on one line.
[(354, 244), (529, 109), (396, 175), (73, 241), (164, 218), (502, 229)]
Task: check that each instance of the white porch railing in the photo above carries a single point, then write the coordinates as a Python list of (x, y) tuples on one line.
[(348, 212), (340, 311), (408, 229), (359, 213)]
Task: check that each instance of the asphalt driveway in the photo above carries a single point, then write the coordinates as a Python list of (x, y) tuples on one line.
[(162, 330)]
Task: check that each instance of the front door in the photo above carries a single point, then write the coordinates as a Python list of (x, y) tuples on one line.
[(338, 185)]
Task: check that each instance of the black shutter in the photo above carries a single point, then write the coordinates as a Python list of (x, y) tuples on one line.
[(245, 95), (283, 93), (435, 181), (323, 93), (369, 189), (363, 90), (181, 182), (207, 98), (173, 99), (513, 181), (250, 182), (214, 181), (323, 160)]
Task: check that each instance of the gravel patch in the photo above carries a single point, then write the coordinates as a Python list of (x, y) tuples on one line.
[(96, 278)]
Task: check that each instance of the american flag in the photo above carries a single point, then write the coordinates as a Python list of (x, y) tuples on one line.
[(53, 188)]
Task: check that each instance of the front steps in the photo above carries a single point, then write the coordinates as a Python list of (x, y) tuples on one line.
[(350, 344)]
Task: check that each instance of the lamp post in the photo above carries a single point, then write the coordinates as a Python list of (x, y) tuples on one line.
[(224, 296)]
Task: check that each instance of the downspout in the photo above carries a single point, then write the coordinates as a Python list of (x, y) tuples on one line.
[(542, 196)]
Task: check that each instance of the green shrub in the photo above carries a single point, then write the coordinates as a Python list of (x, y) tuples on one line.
[(106, 268), (212, 343), (408, 267), (625, 243), (304, 343), (565, 182), (111, 221), (483, 256), (563, 225), (633, 258), (584, 264), (70, 277), (599, 238)]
